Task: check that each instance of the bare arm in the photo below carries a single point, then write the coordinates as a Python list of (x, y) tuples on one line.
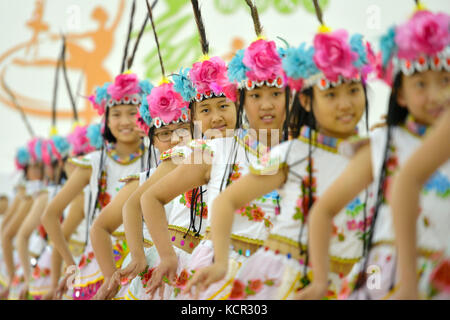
[(356, 176), (13, 207), (74, 186), (405, 200), (29, 225), (109, 219), (235, 196), (10, 231)]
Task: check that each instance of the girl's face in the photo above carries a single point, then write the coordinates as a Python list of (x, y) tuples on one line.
[(265, 107), (122, 123), (34, 171), (49, 172), (216, 115), (337, 110), (169, 136), (425, 94)]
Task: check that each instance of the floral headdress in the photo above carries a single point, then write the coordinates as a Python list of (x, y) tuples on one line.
[(54, 148), (420, 44), (35, 149), (22, 158), (208, 77), (260, 64), (163, 104), (79, 141), (334, 58)]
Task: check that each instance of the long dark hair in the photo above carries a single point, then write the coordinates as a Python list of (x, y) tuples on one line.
[(396, 116)]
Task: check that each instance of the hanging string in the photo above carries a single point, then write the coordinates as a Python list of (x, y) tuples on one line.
[(55, 90), (141, 32), (156, 39), (200, 27), (130, 27), (66, 80), (255, 17), (16, 104), (318, 12)]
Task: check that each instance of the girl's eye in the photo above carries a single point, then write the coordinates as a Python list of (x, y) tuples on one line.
[(354, 90), (276, 94), (224, 106), (254, 96), (205, 110), (446, 81), (330, 95), (420, 84)]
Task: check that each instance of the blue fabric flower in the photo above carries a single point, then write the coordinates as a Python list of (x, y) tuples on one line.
[(183, 85), (299, 63), (439, 183), (236, 68), (102, 93), (61, 144), (23, 156), (357, 46), (144, 112), (146, 86), (94, 134), (387, 45)]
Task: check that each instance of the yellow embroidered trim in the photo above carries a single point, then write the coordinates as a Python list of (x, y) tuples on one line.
[(118, 234), (317, 144), (220, 290), (129, 178), (268, 169), (344, 260), (79, 164), (297, 278), (391, 292), (287, 240), (131, 295), (148, 242), (256, 153), (91, 275), (76, 242), (169, 155), (247, 240), (184, 230), (422, 252), (89, 282), (38, 293)]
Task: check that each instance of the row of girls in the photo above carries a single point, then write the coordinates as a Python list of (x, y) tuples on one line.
[(255, 182)]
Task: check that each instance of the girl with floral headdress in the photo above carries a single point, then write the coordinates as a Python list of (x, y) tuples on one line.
[(415, 58), (405, 209), (216, 114), (332, 98), (123, 153), (264, 98), (33, 186), (53, 152)]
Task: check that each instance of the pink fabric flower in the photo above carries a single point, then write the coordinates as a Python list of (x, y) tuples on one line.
[(263, 60), (209, 75), (164, 102), (124, 84), (31, 148), (425, 33), (99, 107), (46, 156), (334, 56), (79, 141)]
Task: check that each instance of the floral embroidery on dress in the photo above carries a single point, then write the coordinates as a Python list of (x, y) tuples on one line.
[(252, 211), (120, 251), (38, 272), (303, 205), (440, 278), (86, 259), (145, 276), (241, 291), (186, 199), (439, 184), (391, 167), (104, 197)]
